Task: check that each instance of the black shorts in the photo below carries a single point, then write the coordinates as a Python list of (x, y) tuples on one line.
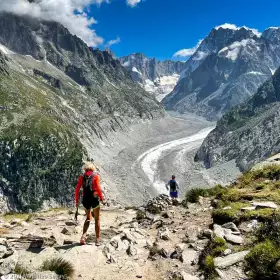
[(91, 202)]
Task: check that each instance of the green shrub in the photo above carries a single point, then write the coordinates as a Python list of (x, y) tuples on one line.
[(60, 266), (153, 209), (262, 259), (217, 191), (140, 215), (270, 229), (193, 195), (218, 241), (209, 267), (260, 214), (270, 172), (222, 216)]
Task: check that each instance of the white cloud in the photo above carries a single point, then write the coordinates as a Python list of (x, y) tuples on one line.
[(187, 52), (63, 11), (133, 3), (113, 42)]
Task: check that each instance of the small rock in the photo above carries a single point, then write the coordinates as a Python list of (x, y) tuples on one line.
[(3, 241), (131, 251), (266, 204), (192, 233), (277, 266), (162, 252), (115, 241), (219, 231), (71, 223), (208, 233), (221, 274), (234, 239), (15, 221), (182, 276), (165, 234), (13, 236), (66, 231), (165, 215), (149, 244), (200, 200), (122, 245), (3, 251), (189, 257), (230, 260), (244, 209), (227, 252), (110, 258), (9, 264), (227, 208), (231, 226)]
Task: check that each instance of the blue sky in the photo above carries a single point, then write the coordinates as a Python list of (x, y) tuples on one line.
[(159, 28)]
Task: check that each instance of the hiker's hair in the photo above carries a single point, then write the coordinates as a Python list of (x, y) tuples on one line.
[(89, 166)]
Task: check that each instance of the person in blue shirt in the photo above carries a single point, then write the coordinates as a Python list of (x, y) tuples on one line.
[(173, 187)]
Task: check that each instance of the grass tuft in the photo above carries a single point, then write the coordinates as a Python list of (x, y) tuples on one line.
[(261, 261), (60, 266), (21, 270)]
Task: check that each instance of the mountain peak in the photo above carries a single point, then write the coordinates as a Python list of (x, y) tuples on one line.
[(234, 27)]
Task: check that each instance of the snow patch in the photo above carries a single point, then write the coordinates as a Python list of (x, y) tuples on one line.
[(200, 55), (161, 86), (234, 27), (134, 69), (232, 51), (126, 64), (255, 73), (5, 50)]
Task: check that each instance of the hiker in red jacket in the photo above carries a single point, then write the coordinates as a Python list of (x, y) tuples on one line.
[(92, 195)]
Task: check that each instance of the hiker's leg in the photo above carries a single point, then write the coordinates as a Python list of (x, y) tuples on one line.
[(96, 213), (87, 222)]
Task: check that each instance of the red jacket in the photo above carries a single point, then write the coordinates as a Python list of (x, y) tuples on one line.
[(95, 186)]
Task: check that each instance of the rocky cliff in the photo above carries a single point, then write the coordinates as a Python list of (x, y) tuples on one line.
[(156, 77), (227, 68), (248, 133), (58, 99)]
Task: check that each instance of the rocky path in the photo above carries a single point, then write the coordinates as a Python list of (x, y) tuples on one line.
[(152, 247), (159, 241)]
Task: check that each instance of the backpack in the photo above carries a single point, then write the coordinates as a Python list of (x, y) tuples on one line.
[(173, 185), (87, 185)]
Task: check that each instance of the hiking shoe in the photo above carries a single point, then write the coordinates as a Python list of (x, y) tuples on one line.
[(98, 243), (83, 241)]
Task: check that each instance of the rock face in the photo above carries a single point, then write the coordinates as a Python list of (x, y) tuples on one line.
[(156, 77), (59, 99), (227, 68), (249, 133)]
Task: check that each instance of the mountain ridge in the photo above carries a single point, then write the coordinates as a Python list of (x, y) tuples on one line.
[(60, 102), (156, 77), (249, 132), (226, 69)]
